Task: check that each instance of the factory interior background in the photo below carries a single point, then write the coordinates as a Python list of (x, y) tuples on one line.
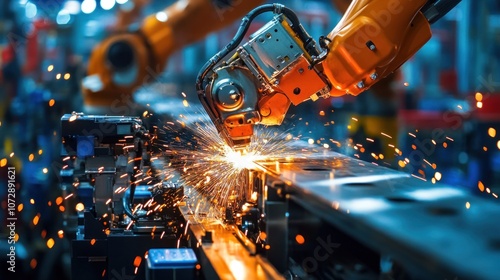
[(450, 87)]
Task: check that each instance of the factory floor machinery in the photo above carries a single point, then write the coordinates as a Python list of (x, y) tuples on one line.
[(316, 216)]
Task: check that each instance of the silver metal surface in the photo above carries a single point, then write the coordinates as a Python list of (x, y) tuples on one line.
[(431, 229), (272, 49)]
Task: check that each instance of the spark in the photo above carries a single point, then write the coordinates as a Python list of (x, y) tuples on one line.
[(52, 102), (370, 140), (50, 243), (480, 186), (300, 239), (129, 225), (209, 165), (50, 68), (68, 196), (479, 96), (137, 261), (79, 207), (36, 219), (467, 205), (386, 135), (33, 263), (492, 132)]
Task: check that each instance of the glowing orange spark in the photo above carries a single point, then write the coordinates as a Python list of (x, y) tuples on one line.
[(480, 185), (137, 261), (50, 243), (300, 239), (492, 132), (33, 263)]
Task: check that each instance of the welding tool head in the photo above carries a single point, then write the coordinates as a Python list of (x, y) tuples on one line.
[(231, 101), (255, 83)]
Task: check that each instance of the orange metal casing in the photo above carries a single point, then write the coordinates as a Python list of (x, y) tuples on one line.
[(396, 28)]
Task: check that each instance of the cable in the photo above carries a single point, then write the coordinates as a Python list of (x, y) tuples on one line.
[(309, 44)]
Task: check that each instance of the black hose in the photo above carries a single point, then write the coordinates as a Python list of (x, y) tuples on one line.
[(242, 30)]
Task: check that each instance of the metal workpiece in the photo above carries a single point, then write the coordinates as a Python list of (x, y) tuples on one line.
[(431, 231), (228, 254)]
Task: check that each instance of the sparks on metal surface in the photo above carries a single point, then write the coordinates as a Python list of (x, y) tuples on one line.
[(202, 160)]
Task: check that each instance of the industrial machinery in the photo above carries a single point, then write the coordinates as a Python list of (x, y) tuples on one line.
[(125, 207), (317, 215), (255, 83)]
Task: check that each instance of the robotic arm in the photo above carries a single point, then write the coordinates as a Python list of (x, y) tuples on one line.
[(128, 59), (281, 64)]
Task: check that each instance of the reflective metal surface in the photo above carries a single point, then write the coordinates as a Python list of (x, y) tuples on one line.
[(432, 230)]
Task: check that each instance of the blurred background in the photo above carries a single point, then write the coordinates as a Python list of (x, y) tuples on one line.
[(437, 118)]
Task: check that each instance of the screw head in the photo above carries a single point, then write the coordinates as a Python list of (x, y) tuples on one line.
[(360, 84)]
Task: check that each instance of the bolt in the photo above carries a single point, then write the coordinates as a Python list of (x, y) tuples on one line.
[(374, 76), (265, 111), (301, 70), (360, 84), (371, 45)]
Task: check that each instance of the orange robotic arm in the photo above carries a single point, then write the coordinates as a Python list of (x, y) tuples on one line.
[(127, 60), (281, 65)]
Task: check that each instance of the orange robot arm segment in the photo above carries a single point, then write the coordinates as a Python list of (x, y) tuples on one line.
[(373, 39)]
